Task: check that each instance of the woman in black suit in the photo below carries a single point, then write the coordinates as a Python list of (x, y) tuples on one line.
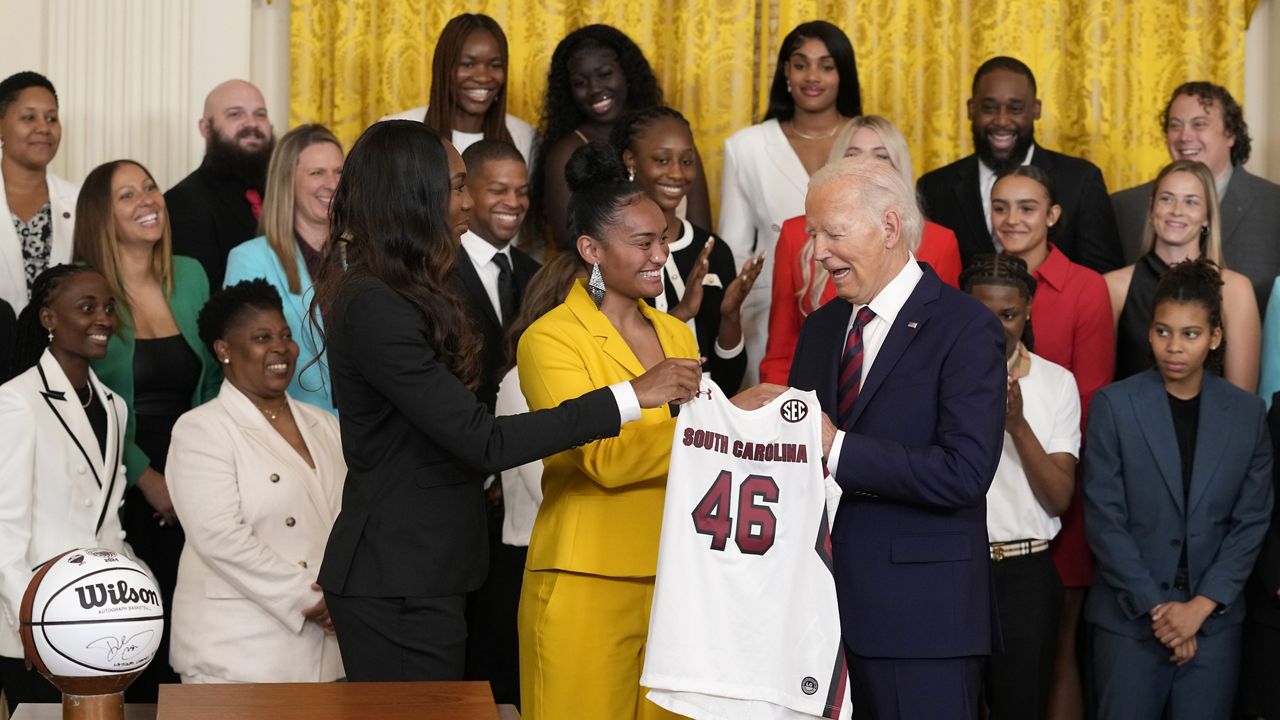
[(411, 539)]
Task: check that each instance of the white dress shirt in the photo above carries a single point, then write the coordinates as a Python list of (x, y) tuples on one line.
[(886, 305), (987, 181), (481, 252), (1051, 406)]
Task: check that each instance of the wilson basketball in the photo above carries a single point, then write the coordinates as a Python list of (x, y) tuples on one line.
[(91, 613)]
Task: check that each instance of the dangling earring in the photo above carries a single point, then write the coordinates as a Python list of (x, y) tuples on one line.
[(1204, 232), (631, 174), (595, 286), (788, 87), (50, 336)]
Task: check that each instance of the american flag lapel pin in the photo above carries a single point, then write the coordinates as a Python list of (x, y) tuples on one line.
[(912, 325)]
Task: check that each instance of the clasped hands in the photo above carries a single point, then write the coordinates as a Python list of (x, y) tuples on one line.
[(1175, 625)]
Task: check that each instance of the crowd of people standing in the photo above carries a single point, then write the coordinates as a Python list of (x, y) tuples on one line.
[(403, 411)]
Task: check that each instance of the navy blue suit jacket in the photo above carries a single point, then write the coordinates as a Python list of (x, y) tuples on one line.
[(909, 544), (1137, 517)]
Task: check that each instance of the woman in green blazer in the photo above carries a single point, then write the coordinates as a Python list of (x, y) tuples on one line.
[(155, 361)]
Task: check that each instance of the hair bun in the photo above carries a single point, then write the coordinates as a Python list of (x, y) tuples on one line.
[(594, 164)]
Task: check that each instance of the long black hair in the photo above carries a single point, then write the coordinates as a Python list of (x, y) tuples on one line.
[(1005, 271), (848, 93), (389, 221)]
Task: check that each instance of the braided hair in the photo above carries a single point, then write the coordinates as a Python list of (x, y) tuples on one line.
[(1005, 271), (1197, 281), (32, 336), (630, 126)]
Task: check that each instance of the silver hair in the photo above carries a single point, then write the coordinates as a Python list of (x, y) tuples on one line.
[(874, 187)]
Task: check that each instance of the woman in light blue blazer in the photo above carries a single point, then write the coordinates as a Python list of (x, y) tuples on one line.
[(301, 180), (1178, 497)]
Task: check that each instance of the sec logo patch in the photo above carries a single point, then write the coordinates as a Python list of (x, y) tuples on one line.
[(794, 410)]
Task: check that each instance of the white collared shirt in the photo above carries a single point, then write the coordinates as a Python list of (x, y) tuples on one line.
[(481, 253), (1051, 407), (986, 182), (886, 305)]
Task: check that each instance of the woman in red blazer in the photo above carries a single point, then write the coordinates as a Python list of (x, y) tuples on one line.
[(801, 285)]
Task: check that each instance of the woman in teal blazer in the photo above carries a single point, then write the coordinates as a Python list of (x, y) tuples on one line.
[(155, 360), (301, 180)]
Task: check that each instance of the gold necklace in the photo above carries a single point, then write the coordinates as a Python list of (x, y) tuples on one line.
[(270, 414), (801, 135), (85, 403)]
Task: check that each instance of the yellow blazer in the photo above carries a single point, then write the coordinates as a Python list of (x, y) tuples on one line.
[(602, 502)]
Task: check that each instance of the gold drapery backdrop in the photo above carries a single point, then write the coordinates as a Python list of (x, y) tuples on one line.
[(1104, 67)]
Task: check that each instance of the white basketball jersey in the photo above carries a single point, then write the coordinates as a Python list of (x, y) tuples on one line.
[(744, 622)]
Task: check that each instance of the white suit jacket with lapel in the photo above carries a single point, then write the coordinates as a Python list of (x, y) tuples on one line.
[(62, 209), (257, 518), (57, 492), (763, 185)]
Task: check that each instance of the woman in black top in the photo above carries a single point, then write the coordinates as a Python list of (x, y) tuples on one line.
[(1183, 224), (700, 283)]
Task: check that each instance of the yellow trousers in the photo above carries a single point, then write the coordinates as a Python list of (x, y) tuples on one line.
[(582, 640)]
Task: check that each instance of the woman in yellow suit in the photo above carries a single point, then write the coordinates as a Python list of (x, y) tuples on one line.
[(588, 583)]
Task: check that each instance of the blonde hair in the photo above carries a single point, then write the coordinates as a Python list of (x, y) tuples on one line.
[(277, 207), (1211, 239), (97, 241), (814, 275)]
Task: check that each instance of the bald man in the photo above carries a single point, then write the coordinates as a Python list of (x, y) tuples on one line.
[(913, 373), (217, 207)]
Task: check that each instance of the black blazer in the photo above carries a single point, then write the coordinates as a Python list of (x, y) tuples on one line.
[(1086, 233), (418, 444), (209, 215), (480, 308)]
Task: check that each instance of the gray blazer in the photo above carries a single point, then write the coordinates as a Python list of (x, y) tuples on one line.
[(1250, 227), (1137, 517)]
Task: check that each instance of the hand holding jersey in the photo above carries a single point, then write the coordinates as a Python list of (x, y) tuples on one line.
[(745, 622)]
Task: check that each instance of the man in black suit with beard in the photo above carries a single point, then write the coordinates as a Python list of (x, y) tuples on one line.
[(492, 274), (1003, 111), (217, 206)]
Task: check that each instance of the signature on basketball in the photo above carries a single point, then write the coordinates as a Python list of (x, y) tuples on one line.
[(126, 648)]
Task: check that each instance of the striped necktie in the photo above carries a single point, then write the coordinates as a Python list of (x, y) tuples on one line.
[(851, 369)]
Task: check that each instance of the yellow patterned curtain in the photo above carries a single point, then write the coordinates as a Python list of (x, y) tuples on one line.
[(1104, 67)]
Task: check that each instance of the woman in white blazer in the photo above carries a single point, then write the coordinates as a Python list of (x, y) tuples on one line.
[(468, 101), (767, 166), (61, 470), (256, 479), (37, 208)]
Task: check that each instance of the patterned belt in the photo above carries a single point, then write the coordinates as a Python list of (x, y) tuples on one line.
[(1017, 548)]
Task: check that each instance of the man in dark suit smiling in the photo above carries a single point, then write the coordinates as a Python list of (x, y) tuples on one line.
[(492, 274), (1003, 112), (913, 372)]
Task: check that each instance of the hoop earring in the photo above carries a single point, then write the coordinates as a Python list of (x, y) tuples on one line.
[(595, 286)]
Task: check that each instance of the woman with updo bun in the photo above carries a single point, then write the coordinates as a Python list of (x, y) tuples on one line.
[(584, 606)]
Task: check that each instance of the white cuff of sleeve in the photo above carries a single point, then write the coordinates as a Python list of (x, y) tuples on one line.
[(732, 352), (834, 458), (628, 403)]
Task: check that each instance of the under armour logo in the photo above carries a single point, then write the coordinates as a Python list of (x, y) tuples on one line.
[(699, 392)]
